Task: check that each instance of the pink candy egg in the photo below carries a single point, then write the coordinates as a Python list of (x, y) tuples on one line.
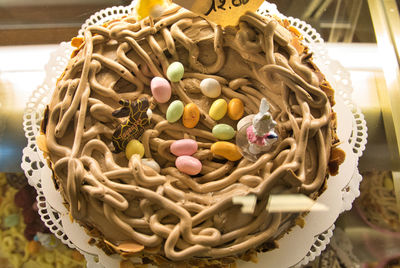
[(183, 147), (188, 165), (161, 89)]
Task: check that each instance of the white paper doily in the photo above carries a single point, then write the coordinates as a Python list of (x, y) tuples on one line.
[(299, 247)]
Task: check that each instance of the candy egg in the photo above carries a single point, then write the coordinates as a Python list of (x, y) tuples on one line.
[(175, 71), (183, 147), (223, 132), (174, 111), (235, 109), (134, 147), (152, 164), (188, 165), (227, 150), (210, 87), (191, 115), (161, 89), (218, 109)]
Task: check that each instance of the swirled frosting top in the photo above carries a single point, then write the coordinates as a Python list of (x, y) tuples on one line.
[(169, 213)]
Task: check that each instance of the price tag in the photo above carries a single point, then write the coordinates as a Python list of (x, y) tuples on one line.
[(293, 203), (248, 203), (222, 12)]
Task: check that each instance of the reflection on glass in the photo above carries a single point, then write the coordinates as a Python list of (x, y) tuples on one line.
[(336, 20)]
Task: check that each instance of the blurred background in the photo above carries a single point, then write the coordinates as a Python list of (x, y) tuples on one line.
[(25, 22), (47, 21)]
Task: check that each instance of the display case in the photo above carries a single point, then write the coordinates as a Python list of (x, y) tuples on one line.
[(362, 36)]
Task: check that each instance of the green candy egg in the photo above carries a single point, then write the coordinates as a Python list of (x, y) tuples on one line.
[(134, 147), (175, 71), (175, 111), (223, 132), (11, 220)]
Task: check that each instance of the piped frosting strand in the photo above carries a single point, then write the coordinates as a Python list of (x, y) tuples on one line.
[(192, 217)]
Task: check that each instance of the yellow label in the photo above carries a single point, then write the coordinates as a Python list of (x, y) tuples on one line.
[(144, 7), (222, 12)]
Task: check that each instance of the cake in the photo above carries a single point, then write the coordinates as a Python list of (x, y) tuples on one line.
[(143, 130)]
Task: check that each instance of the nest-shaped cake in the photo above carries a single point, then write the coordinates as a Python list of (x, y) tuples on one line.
[(130, 134)]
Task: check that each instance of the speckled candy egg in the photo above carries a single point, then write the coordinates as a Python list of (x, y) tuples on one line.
[(191, 115), (134, 147), (210, 87), (235, 109), (223, 132), (161, 89), (227, 150), (188, 165), (218, 109), (183, 147), (174, 111), (175, 71)]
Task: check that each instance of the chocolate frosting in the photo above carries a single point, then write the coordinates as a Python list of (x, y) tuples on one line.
[(170, 213)]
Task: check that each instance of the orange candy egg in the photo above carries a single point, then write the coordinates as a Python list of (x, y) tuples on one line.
[(235, 109), (191, 115), (227, 150)]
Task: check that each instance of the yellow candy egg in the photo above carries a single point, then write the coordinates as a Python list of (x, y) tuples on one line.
[(235, 109), (218, 109), (227, 150), (134, 147), (191, 115)]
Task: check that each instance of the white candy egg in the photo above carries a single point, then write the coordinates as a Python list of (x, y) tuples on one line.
[(210, 87)]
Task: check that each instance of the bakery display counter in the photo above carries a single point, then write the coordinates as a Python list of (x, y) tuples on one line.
[(363, 36)]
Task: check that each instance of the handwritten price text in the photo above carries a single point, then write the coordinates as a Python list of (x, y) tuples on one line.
[(221, 4)]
